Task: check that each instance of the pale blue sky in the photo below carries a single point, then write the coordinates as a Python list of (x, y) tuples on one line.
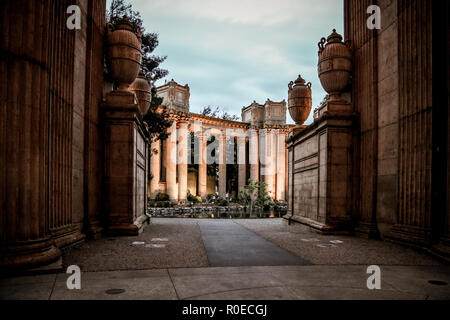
[(236, 51)]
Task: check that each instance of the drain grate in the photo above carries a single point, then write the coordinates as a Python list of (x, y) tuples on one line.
[(114, 291), (437, 282)]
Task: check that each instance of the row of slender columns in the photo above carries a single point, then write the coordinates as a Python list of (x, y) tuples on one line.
[(267, 146)]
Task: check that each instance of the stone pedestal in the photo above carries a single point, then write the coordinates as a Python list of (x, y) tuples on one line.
[(126, 139), (320, 168)]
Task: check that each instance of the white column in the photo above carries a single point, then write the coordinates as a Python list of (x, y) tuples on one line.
[(241, 162), (269, 161), (281, 166), (202, 173), (183, 140), (155, 164), (222, 166), (254, 154), (171, 162)]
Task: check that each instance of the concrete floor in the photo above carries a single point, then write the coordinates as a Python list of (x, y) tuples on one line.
[(236, 283), (237, 259)]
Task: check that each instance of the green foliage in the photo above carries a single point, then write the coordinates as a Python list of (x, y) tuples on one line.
[(255, 194), (221, 202), (210, 198), (193, 199), (162, 197), (215, 113)]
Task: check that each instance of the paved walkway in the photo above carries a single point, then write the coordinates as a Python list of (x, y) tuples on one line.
[(230, 244), (233, 283), (237, 259)]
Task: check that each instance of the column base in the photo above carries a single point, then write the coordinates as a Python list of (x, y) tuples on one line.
[(339, 227), (67, 236), (413, 235), (24, 255), (93, 231), (128, 229), (442, 249), (367, 230)]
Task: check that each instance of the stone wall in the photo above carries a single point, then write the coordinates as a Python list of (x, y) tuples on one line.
[(392, 170)]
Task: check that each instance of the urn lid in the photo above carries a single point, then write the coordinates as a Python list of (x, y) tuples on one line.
[(334, 37), (299, 81)]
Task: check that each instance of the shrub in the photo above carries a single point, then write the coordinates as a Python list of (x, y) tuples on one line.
[(162, 197), (210, 198), (221, 202), (192, 198)]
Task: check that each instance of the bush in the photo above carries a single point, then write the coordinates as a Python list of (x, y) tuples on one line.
[(162, 197), (221, 202), (210, 198), (192, 198)]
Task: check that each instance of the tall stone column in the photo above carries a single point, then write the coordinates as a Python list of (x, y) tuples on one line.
[(269, 161), (202, 168), (24, 189), (254, 154), (183, 135), (222, 166), (155, 167), (281, 168), (171, 162), (241, 162)]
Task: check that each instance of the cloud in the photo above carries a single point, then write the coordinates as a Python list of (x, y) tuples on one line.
[(233, 52)]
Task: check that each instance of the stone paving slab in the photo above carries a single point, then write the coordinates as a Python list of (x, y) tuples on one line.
[(318, 248), (229, 244), (239, 283), (165, 243)]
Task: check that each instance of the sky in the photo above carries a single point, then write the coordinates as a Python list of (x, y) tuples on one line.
[(232, 52)]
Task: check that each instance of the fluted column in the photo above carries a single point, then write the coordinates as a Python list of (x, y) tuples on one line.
[(24, 86), (254, 154), (281, 168), (171, 162), (269, 161), (183, 140), (155, 164), (241, 162), (202, 169), (222, 166)]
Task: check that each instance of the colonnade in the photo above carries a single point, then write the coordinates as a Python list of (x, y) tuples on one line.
[(266, 157)]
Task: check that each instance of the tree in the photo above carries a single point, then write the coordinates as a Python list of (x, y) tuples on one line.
[(155, 118), (210, 112)]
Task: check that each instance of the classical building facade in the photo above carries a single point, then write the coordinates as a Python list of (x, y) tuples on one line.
[(375, 160), (252, 149)]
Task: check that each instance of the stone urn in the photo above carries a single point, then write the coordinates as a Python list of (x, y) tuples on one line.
[(299, 100), (335, 64), (141, 88), (123, 53)]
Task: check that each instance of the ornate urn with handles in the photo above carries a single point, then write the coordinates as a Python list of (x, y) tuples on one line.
[(335, 64), (299, 100), (124, 53), (141, 88)]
